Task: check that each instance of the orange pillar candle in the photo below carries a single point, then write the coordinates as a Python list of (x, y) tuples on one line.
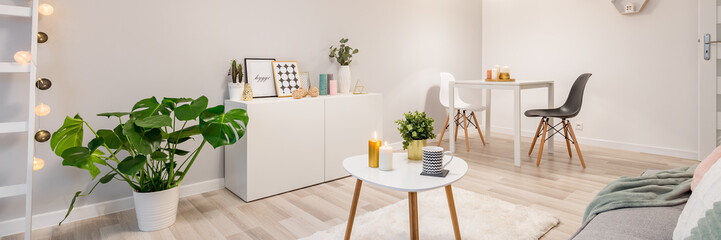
[(373, 146)]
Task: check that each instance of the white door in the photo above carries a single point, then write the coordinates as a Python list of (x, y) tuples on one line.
[(709, 69)]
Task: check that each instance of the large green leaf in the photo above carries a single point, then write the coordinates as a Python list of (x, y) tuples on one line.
[(183, 133), (159, 156), (131, 165), (69, 135), (171, 103), (96, 143), (81, 157), (143, 141), (219, 128), (156, 121), (149, 107), (191, 111), (111, 139)]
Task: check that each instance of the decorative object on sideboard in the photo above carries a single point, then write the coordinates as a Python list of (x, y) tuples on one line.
[(149, 138), (259, 74), (235, 86), (22, 57), (332, 87), (385, 157), (305, 79), (303, 92), (287, 77), (323, 84), (42, 37), (627, 7), (42, 136), (359, 88), (313, 92), (247, 92), (373, 154), (297, 94), (343, 55), (415, 129), (43, 84)]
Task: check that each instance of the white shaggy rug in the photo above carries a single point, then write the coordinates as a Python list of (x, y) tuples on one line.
[(479, 217)]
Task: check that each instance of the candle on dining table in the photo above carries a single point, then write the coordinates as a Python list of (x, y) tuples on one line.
[(385, 160), (373, 146)]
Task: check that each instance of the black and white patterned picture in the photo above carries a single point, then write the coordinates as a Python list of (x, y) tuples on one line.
[(287, 77)]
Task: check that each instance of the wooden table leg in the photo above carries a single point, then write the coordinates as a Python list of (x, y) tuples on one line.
[(413, 214), (452, 207), (353, 207)]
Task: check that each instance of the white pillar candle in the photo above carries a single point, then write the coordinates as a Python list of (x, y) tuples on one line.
[(385, 158), (494, 73), (505, 69)]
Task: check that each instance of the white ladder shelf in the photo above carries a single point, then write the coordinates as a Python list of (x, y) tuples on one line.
[(29, 125)]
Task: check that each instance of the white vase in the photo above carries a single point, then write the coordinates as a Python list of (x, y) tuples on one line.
[(344, 79), (235, 91), (156, 210)]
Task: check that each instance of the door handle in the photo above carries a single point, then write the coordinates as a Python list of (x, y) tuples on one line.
[(707, 46)]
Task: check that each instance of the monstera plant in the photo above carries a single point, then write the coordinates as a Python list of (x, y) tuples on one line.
[(149, 148)]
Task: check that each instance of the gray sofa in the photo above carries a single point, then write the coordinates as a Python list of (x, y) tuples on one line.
[(632, 223)]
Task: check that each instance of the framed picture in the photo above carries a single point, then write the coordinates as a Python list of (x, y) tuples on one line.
[(287, 77), (259, 74), (305, 79)]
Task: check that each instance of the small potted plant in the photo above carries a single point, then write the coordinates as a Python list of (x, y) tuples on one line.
[(148, 150), (343, 55), (235, 86), (415, 128)]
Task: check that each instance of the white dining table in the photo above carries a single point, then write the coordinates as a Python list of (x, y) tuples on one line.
[(516, 87)]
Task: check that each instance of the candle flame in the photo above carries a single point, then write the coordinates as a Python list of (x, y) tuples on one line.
[(386, 144), (375, 135)]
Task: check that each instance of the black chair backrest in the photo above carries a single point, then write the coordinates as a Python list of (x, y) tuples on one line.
[(575, 97)]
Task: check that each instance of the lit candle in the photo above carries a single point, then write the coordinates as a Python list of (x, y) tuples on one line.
[(385, 159), (373, 146)]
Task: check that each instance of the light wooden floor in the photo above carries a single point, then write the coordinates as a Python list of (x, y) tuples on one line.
[(559, 186)]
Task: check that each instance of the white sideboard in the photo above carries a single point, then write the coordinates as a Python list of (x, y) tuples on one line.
[(294, 143)]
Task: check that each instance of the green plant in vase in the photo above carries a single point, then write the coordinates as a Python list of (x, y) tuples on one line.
[(148, 149), (344, 56), (415, 128)]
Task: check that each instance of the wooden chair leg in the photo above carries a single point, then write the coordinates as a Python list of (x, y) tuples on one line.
[(478, 127), (353, 207), (565, 134), (535, 137), (465, 130), (455, 121), (543, 140), (445, 126), (575, 142)]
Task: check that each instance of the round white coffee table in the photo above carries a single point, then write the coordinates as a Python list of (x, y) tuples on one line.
[(406, 177)]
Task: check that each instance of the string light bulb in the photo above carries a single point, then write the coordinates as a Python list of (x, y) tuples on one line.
[(42, 110), (42, 136), (23, 57), (38, 163), (43, 83), (46, 9), (42, 37)]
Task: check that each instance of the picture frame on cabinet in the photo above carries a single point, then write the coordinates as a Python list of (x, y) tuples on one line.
[(305, 79), (287, 77), (259, 74)]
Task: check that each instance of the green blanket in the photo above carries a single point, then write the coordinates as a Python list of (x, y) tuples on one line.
[(666, 188)]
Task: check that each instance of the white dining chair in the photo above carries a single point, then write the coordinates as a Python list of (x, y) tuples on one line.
[(465, 111)]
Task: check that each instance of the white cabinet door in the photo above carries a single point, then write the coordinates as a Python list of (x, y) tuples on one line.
[(349, 124)]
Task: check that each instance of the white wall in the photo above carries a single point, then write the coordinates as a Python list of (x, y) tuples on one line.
[(642, 95), (105, 55)]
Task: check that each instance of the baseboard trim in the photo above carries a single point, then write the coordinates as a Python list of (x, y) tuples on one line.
[(49, 219), (672, 152)]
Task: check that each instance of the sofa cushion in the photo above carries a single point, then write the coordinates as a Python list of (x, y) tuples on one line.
[(702, 199), (704, 166), (632, 224)]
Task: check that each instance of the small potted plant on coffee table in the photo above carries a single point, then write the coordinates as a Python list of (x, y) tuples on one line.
[(415, 128)]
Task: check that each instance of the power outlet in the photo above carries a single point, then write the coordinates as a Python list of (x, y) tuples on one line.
[(578, 126)]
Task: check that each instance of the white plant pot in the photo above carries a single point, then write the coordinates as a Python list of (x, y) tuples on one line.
[(235, 91), (344, 79), (156, 210)]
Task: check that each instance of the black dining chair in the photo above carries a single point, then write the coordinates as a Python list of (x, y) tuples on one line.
[(570, 109)]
